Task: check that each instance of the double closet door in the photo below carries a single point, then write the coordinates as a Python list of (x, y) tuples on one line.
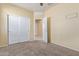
[(18, 29)]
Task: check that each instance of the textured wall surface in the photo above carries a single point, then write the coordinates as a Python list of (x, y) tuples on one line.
[(65, 25)]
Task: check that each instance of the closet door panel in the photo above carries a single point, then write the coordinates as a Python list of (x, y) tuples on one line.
[(18, 29)]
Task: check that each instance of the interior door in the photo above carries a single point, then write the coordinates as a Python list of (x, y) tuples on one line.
[(18, 29), (45, 36)]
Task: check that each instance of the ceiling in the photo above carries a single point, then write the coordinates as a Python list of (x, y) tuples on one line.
[(35, 6)]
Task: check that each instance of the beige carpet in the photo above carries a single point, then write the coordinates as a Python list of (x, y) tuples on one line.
[(36, 48)]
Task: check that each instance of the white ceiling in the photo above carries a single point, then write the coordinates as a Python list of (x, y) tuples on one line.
[(35, 6)]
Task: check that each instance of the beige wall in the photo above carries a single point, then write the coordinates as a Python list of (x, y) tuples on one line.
[(38, 15), (12, 10), (65, 25)]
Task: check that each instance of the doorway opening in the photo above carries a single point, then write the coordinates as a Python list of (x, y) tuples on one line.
[(38, 29), (43, 29)]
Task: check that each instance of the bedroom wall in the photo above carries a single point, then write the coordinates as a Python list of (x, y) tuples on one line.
[(12, 10), (65, 25)]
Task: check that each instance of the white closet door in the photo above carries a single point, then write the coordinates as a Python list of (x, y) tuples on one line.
[(24, 29), (18, 29), (45, 38)]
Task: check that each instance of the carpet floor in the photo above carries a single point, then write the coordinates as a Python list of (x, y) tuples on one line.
[(36, 48)]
